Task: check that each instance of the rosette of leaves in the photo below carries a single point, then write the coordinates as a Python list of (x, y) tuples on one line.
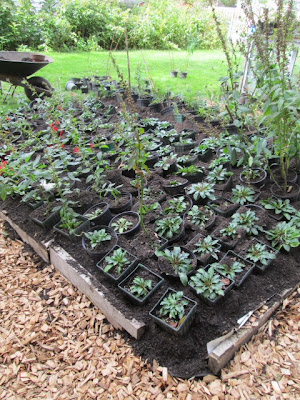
[(191, 169), (218, 174), (202, 190), (223, 159), (140, 287), (230, 271), (280, 207), (247, 221), (207, 283), (199, 217), (242, 194), (284, 235), (69, 219), (179, 260), (116, 260), (231, 230), (258, 252), (94, 214), (168, 227), (96, 237), (121, 225), (173, 306), (177, 205), (207, 245)]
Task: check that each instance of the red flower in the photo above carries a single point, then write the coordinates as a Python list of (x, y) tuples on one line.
[(72, 94), (92, 145), (60, 133), (76, 150), (62, 146), (3, 164), (7, 119), (58, 107)]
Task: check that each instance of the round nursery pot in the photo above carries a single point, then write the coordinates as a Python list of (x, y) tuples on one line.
[(174, 189), (167, 110), (173, 74), (291, 194), (103, 248), (291, 178), (123, 203), (130, 216), (255, 181), (99, 219), (156, 107), (183, 75), (144, 101)]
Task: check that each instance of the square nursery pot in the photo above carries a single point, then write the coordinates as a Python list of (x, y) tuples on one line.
[(48, 221), (225, 208), (146, 274), (228, 243), (259, 267), (125, 271), (207, 258), (83, 227), (100, 251), (186, 321), (229, 258), (207, 300)]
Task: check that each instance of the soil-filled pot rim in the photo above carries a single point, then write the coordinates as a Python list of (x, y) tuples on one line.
[(103, 205), (96, 255), (173, 274), (132, 297), (280, 194), (187, 321), (254, 181), (135, 227), (231, 254)]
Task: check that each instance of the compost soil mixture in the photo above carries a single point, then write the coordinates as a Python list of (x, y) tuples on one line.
[(184, 356)]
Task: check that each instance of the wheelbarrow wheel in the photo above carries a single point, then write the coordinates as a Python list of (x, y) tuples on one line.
[(45, 89)]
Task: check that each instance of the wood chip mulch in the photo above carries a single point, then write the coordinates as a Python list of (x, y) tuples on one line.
[(54, 344)]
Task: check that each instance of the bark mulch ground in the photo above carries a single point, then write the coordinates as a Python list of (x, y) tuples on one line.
[(54, 344)]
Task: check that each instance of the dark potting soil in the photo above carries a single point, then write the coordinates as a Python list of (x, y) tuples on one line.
[(184, 356)]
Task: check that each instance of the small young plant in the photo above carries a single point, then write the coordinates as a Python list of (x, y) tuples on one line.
[(280, 207), (202, 190), (230, 271), (207, 283), (180, 261), (117, 260), (177, 205), (242, 194), (97, 237), (94, 214), (191, 169), (199, 217), (140, 287), (69, 219), (259, 252), (230, 231), (285, 234), (168, 227), (207, 246), (247, 221), (173, 306), (122, 225), (218, 175)]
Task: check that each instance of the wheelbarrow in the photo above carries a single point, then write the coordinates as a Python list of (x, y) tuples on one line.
[(16, 67)]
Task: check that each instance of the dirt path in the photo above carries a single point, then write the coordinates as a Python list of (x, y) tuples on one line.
[(54, 344)]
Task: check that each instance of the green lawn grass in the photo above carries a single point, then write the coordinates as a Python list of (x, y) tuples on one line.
[(205, 68)]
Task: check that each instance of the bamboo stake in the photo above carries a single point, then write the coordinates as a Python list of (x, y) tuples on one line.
[(128, 62)]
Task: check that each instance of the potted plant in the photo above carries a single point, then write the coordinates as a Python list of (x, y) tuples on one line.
[(192, 173), (285, 235), (220, 177), (198, 218), (247, 220), (140, 285), (253, 176), (201, 192), (98, 241), (176, 262), (178, 205), (260, 254), (183, 145), (173, 71), (223, 207), (178, 117), (99, 214), (243, 194), (126, 223), (170, 228), (191, 46), (71, 224), (210, 285), (174, 185), (279, 208), (174, 312), (235, 267), (206, 248)]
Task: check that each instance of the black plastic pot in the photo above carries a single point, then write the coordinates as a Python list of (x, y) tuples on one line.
[(126, 271), (180, 148), (168, 271), (173, 74), (229, 258), (183, 75), (291, 178), (186, 322), (257, 181), (156, 107), (144, 101), (167, 110), (191, 225), (103, 218), (259, 267), (205, 156), (195, 177), (83, 227), (218, 206), (151, 160), (124, 286), (101, 250), (49, 221), (291, 195), (126, 206), (130, 214), (178, 189), (205, 259)]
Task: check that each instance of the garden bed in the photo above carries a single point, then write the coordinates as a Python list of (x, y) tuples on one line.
[(189, 355)]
